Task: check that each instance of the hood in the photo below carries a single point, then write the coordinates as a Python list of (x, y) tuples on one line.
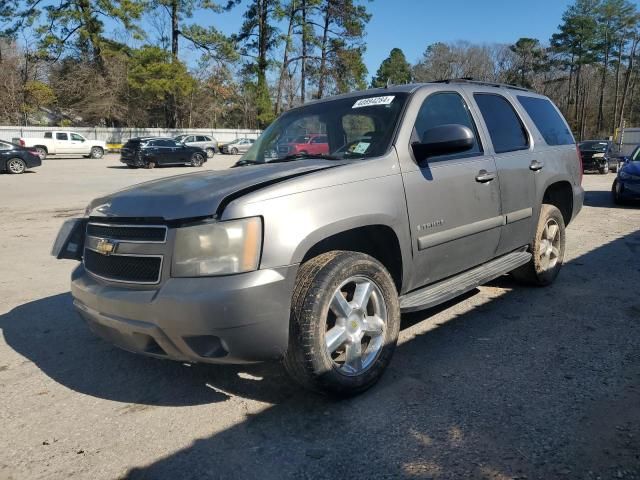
[(199, 194), (632, 168)]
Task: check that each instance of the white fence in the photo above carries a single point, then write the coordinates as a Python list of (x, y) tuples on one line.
[(121, 135)]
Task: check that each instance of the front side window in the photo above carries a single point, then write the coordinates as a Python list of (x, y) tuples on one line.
[(505, 127), (444, 109), (77, 138), (548, 121), (61, 136), (338, 125)]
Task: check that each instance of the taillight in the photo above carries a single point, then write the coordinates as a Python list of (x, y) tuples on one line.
[(579, 162)]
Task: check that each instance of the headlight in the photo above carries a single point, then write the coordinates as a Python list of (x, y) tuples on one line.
[(220, 248)]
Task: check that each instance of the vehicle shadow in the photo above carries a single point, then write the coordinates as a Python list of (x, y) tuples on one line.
[(599, 198), (523, 381), (534, 383)]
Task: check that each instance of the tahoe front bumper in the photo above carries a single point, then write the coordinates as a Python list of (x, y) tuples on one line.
[(231, 319)]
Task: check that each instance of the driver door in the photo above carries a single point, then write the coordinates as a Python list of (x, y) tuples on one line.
[(77, 145), (453, 200)]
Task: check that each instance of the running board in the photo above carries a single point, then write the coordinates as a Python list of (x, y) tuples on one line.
[(440, 292)]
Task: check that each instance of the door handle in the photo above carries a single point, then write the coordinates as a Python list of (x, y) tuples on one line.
[(536, 165), (484, 176)]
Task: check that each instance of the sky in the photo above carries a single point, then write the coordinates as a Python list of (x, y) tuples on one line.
[(412, 25)]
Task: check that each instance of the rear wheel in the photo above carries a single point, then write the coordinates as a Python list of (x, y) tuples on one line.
[(149, 164), (42, 152), (197, 160), (97, 152), (16, 166), (547, 249), (345, 319)]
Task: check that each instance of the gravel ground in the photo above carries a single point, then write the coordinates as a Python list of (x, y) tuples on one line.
[(506, 382)]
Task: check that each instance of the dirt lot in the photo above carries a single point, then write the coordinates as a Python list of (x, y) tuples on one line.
[(507, 382)]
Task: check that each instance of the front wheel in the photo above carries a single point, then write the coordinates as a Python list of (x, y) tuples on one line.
[(97, 152), (16, 166), (616, 193), (210, 152), (547, 249), (234, 151), (345, 319)]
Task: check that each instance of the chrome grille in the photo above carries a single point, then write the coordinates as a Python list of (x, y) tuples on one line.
[(125, 253), (128, 233)]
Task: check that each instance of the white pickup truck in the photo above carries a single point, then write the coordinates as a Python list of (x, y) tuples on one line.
[(64, 142)]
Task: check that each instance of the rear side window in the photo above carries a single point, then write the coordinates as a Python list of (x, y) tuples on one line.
[(61, 136), (505, 127), (547, 119)]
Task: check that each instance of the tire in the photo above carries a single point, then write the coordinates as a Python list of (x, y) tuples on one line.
[(320, 282), (615, 168), (234, 151), (150, 164), (210, 152), (42, 152), (616, 191), (197, 160), (97, 152), (548, 255), (16, 166), (604, 170)]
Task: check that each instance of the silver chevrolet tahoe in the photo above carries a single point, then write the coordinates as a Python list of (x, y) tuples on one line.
[(403, 198)]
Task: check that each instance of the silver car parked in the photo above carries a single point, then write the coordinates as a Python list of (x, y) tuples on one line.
[(240, 145), (207, 143)]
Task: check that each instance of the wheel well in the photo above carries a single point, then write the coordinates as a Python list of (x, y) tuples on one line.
[(560, 194), (379, 241)]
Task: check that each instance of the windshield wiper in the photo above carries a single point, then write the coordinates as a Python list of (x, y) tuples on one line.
[(300, 156), (243, 163)]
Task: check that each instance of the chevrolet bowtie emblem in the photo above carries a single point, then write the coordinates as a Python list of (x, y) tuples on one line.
[(106, 247)]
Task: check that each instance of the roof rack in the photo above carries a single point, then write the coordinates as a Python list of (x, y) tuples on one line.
[(480, 82)]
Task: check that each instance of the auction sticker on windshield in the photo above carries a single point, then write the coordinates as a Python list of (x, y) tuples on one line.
[(368, 102)]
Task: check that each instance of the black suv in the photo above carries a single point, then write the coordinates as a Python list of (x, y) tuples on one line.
[(149, 152), (599, 155)]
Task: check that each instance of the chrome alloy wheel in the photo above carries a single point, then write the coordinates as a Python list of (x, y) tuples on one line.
[(356, 325), (549, 250), (16, 166)]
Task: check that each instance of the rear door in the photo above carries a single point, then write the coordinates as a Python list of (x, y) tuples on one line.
[(517, 166), (453, 200), (63, 143)]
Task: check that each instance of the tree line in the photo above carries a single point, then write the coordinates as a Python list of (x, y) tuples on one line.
[(156, 63)]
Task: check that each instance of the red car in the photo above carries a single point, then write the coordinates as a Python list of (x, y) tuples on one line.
[(315, 143)]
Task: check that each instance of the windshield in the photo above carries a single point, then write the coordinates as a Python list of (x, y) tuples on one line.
[(346, 128), (596, 146)]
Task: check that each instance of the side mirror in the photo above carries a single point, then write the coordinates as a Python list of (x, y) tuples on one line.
[(443, 140)]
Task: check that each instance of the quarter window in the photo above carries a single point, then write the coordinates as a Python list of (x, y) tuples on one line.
[(548, 121), (443, 109), (505, 127)]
